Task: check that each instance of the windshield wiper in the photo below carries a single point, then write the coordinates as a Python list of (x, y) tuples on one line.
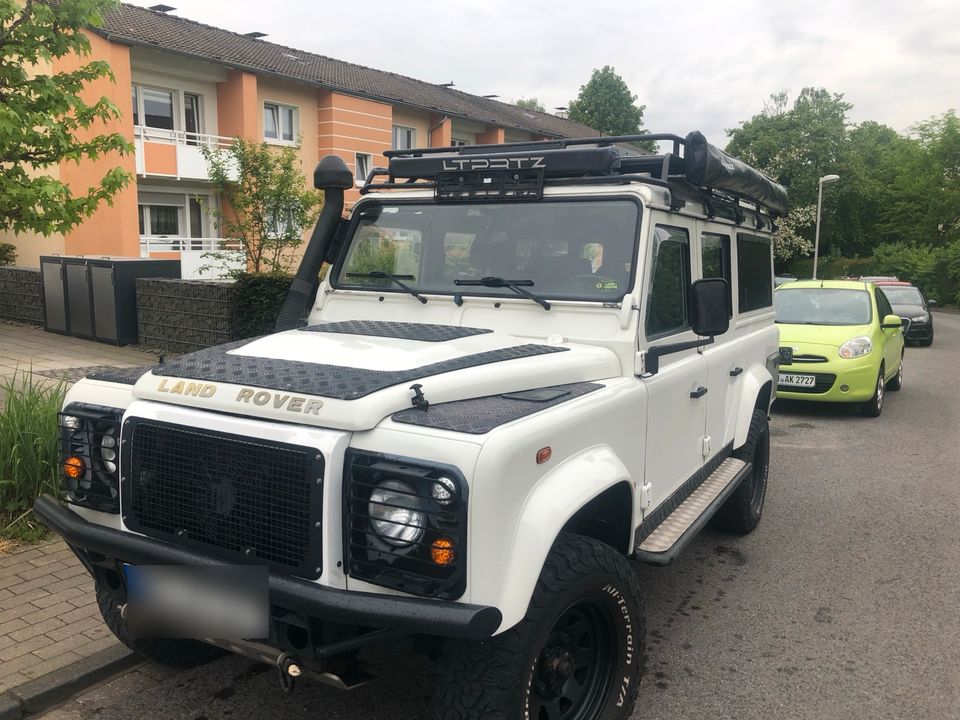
[(516, 285), (396, 279)]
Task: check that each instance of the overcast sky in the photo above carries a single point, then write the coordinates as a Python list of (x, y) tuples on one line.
[(705, 66)]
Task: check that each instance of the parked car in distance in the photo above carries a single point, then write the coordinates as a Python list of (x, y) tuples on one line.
[(840, 341), (908, 302), (783, 278), (877, 278)]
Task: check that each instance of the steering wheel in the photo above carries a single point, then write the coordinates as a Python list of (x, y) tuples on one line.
[(596, 283)]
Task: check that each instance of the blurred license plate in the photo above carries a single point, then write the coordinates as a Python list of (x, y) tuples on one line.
[(796, 380), (227, 602)]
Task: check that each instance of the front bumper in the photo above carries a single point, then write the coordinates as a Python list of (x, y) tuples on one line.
[(859, 376), (410, 615), (919, 332)]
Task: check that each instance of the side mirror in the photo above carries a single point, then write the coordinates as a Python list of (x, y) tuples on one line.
[(891, 321), (932, 303), (708, 307)]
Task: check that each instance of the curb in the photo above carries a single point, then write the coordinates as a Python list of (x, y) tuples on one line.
[(48, 690)]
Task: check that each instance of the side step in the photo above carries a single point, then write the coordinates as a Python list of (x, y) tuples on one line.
[(666, 541)]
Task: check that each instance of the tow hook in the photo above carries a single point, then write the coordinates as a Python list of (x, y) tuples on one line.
[(289, 670)]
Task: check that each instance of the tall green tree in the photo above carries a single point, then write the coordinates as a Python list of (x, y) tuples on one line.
[(267, 204), (606, 104), (939, 137), (44, 120), (530, 104)]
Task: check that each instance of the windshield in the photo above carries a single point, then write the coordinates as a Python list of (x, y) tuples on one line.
[(566, 249), (822, 306), (902, 295)]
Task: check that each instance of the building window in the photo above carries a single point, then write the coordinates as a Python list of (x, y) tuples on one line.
[(362, 168), (404, 138), (174, 215), (191, 117), (156, 108), (459, 142), (279, 122)]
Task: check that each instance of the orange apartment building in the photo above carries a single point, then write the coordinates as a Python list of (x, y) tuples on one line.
[(184, 85)]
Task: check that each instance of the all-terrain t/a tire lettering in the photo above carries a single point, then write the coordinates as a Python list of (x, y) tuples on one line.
[(578, 649)]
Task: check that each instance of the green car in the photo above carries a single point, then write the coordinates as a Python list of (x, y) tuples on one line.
[(839, 342)]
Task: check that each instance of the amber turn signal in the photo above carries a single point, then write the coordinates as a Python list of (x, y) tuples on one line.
[(73, 467), (442, 552)]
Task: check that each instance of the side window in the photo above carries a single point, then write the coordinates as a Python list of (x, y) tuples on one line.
[(669, 281), (883, 305), (715, 261), (755, 272)]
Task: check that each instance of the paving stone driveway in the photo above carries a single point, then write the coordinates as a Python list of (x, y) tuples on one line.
[(48, 613)]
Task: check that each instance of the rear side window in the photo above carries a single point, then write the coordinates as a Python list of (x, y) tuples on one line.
[(755, 272), (669, 280), (715, 261)]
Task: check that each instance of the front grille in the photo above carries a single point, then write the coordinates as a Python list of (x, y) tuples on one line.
[(809, 359), (407, 567), (238, 498), (822, 383)]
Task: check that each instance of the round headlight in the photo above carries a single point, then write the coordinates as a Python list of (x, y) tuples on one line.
[(856, 347), (443, 490), (396, 513)]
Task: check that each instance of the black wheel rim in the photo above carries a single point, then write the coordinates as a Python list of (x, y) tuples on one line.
[(761, 466), (574, 670)]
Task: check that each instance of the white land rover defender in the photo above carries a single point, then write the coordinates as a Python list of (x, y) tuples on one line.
[(526, 366)]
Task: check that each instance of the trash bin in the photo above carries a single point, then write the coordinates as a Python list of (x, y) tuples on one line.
[(96, 298)]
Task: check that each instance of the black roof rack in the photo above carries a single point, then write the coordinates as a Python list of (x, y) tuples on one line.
[(520, 170)]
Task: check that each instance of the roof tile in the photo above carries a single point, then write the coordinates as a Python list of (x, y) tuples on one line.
[(135, 25)]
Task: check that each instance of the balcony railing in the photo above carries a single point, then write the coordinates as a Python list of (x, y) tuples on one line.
[(165, 244), (174, 154), (196, 260)]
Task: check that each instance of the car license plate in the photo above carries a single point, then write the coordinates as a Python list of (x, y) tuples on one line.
[(790, 380)]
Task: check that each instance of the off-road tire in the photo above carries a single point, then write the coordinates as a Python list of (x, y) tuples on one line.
[(896, 382), (874, 406), (172, 653), (503, 678), (741, 512)]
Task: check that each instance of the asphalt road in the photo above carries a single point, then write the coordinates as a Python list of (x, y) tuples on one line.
[(845, 603)]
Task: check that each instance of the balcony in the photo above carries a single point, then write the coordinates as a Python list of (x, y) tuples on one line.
[(174, 154), (195, 257)]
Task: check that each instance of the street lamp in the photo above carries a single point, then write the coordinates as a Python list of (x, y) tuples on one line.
[(825, 180)]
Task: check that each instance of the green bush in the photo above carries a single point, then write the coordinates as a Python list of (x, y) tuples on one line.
[(8, 253), (256, 303), (29, 452)]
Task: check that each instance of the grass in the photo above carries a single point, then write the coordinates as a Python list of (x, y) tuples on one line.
[(29, 452)]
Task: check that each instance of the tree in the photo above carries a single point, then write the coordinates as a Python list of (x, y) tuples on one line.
[(606, 104), (44, 120), (267, 205), (530, 104)]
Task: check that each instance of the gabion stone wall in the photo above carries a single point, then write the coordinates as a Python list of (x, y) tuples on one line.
[(180, 316), (21, 295)]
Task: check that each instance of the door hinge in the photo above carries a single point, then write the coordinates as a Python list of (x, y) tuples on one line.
[(645, 499), (705, 446)]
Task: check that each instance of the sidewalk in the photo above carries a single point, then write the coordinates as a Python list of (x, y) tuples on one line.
[(48, 612)]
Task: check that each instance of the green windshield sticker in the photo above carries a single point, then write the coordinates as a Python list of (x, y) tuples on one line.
[(607, 285)]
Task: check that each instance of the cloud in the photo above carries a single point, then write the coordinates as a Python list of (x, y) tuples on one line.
[(695, 66)]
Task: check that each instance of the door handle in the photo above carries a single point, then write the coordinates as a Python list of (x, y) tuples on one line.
[(699, 392), (736, 371)]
